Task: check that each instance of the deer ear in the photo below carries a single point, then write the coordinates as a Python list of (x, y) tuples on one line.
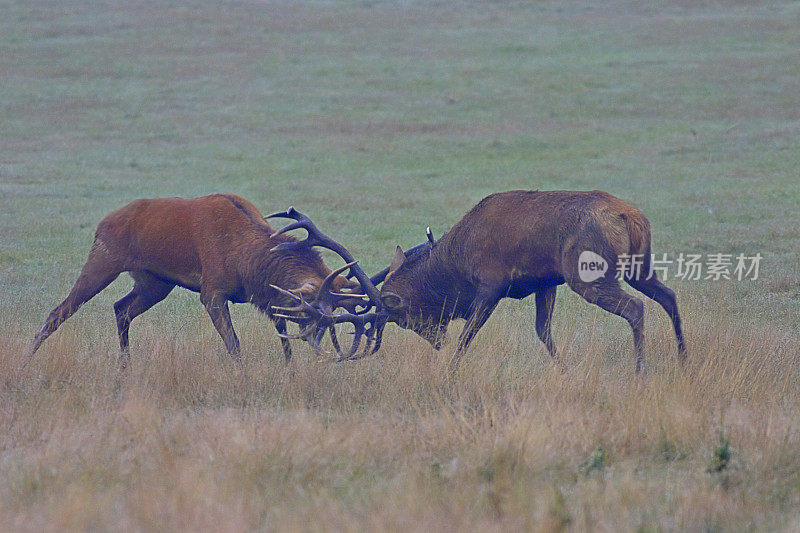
[(397, 262), (306, 289), (342, 282), (392, 301)]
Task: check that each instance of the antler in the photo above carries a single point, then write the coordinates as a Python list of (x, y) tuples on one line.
[(317, 238), (315, 318), (319, 315), (348, 300)]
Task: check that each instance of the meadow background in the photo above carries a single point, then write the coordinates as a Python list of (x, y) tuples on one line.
[(379, 119)]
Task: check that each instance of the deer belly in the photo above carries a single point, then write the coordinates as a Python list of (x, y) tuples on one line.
[(191, 281), (525, 286), (182, 272)]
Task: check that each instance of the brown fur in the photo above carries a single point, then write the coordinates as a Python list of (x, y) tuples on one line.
[(517, 243), (217, 245)]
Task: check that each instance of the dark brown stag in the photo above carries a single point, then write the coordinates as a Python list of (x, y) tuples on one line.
[(219, 246), (518, 243)]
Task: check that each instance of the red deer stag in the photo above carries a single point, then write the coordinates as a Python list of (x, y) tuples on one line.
[(517, 243), (217, 245)]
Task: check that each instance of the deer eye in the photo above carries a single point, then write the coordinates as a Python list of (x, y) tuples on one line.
[(393, 302)]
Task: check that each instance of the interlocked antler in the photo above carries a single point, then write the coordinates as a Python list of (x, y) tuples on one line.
[(317, 238), (318, 316), (366, 324)]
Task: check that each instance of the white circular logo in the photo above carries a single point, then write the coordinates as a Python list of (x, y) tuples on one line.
[(591, 266)]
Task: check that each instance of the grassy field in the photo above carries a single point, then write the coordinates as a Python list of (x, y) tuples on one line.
[(379, 119)]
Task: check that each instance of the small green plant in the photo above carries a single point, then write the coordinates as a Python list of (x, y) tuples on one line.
[(595, 462), (721, 456)]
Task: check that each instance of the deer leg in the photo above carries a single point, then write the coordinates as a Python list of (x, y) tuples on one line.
[(545, 302), (655, 290), (609, 295), (217, 307), (280, 325), (98, 272), (482, 308), (121, 307), (147, 291)]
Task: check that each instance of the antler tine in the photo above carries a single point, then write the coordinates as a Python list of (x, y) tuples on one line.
[(336, 299), (304, 307), (364, 353), (370, 334), (298, 309), (375, 334), (293, 336), (349, 295), (378, 336), (317, 338), (289, 213), (302, 335), (293, 318), (287, 293), (302, 222), (314, 317), (374, 337), (370, 325), (358, 333), (326, 283), (290, 227), (305, 315), (334, 339)]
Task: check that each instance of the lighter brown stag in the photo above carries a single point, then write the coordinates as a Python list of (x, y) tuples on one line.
[(217, 245)]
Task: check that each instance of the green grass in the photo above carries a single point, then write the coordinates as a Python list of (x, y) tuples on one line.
[(379, 119)]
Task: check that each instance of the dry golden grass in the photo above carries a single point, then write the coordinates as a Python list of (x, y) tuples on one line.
[(379, 119), (183, 441)]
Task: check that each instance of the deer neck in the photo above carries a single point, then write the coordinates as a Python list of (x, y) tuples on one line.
[(442, 288)]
